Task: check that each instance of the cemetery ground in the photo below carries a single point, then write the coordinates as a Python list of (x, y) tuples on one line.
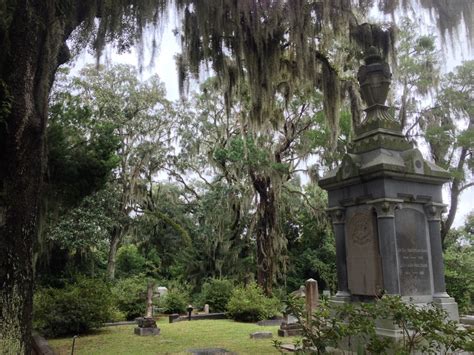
[(174, 338)]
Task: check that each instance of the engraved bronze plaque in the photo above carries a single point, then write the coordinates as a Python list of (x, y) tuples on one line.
[(415, 277), (364, 267)]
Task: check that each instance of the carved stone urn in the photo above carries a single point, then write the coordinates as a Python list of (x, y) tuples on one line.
[(374, 79)]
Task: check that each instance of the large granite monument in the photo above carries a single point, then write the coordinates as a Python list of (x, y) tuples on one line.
[(385, 202)]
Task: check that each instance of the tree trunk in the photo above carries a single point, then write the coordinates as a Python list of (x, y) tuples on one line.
[(114, 244), (26, 73), (455, 193), (265, 233)]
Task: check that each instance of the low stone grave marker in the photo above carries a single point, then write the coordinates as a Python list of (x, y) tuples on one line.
[(210, 351), (261, 335)]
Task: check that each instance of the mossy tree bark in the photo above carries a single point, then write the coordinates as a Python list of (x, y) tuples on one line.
[(27, 66)]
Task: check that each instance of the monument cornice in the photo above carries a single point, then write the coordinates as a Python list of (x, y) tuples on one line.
[(366, 175)]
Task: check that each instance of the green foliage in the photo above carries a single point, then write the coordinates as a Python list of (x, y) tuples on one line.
[(88, 225), (425, 329), (163, 232), (130, 261), (74, 309), (459, 264), (311, 242), (81, 149), (175, 301), (129, 296), (216, 293), (249, 304)]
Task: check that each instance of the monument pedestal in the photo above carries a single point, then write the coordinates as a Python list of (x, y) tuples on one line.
[(449, 305), (146, 326), (340, 298)]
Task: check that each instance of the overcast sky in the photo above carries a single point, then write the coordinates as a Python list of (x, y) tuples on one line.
[(164, 65)]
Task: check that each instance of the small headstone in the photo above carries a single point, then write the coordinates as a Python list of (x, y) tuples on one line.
[(206, 308), (300, 292), (327, 293), (261, 335), (173, 317), (161, 290)]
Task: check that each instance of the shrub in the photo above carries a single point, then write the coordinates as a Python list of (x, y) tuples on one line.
[(129, 296), (424, 330), (74, 309), (175, 301), (249, 304), (216, 293)]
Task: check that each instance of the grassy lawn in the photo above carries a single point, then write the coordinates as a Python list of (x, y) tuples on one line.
[(174, 339)]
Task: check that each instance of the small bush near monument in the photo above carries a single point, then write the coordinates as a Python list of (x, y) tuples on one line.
[(424, 329), (128, 296), (74, 309), (175, 301), (216, 293), (249, 304)]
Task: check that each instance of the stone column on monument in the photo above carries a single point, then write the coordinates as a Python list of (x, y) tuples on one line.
[(433, 213), (337, 215), (311, 296), (385, 210)]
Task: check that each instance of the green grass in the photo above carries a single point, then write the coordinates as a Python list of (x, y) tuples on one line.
[(174, 338)]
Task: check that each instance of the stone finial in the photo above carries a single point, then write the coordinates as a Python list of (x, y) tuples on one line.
[(374, 81), (374, 78)]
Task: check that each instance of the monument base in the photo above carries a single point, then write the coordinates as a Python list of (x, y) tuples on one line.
[(340, 298), (449, 305)]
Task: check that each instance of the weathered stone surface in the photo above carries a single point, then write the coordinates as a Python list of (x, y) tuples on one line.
[(209, 351), (146, 331), (261, 335), (413, 252), (206, 308), (146, 322), (312, 296), (467, 320), (292, 329), (270, 322), (363, 259)]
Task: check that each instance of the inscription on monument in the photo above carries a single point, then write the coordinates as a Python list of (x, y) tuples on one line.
[(412, 252), (363, 258)]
